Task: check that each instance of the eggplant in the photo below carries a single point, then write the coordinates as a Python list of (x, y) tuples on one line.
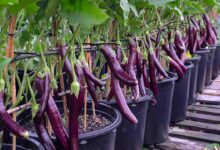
[(44, 95), (116, 68), (92, 91), (43, 134), (73, 122), (90, 76), (9, 123), (121, 102), (56, 123), (145, 75), (132, 61)]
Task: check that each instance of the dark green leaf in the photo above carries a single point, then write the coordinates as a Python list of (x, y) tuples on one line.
[(83, 12), (210, 2)]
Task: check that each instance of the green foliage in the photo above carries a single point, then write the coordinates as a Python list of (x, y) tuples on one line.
[(8, 2), (159, 3), (83, 12), (30, 7)]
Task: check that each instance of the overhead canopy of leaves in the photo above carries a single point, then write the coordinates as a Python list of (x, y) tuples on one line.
[(82, 12)]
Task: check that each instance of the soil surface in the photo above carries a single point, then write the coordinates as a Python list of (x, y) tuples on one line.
[(92, 124)]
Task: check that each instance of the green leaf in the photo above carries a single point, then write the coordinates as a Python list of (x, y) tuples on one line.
[(193, 7), (134, 10), (159, 3), (83, 12), (179, 12), (209, 2), (25, 36), (8, 2), (126, 9), (30, 7), (3, 62)]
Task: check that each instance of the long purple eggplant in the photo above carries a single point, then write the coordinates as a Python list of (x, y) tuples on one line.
[(9, 123), (90, 76), (80, 77), (43, 134), (179, 43), (73, 122), (176, 58), (154, 59), (141, 86), (116, 68), (145, 75), (152, 72), (44, 96), (139, 64), (54, 117), (91, 90), (121, 102), (56, 123), (195, 23), (192, 37), (175, 66), (132, 61), (118, 53)]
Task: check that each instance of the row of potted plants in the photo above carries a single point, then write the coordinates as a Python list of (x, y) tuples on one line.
[(111, 78)]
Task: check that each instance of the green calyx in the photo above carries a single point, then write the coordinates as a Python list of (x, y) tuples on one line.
[(171, 40), (53, 83), (34, 109), (162, 41), (151, 50), (75, 88), (145, 55)]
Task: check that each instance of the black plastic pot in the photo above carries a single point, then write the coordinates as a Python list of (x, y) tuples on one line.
[(209, 65), (202, 69), (216, 62), (158, 116), (181, 95), (103, 139), (22, 144), (193, 78), (130, 136)]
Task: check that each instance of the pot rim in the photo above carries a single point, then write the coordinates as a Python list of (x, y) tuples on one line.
[(195, 58), (189, 65), (172, 78), (106, 129), (202, 51)]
